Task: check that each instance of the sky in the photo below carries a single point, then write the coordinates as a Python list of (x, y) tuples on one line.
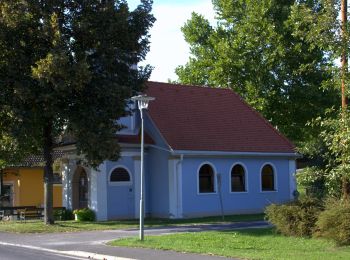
[(168, 47)]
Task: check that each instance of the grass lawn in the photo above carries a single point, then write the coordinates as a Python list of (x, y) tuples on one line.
[(261, 243), (75, 226)]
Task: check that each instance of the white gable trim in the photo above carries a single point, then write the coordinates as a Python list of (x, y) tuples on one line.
[(148, 116)]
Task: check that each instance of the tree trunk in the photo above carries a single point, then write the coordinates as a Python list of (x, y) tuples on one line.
[(1, 182), (345, 188), (48, 175)]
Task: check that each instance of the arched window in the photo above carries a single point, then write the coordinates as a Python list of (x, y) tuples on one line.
[(238, 178), (206, 179), (119, 174), (267, 178)]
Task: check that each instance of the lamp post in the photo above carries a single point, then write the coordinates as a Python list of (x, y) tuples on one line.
[(142, 102)]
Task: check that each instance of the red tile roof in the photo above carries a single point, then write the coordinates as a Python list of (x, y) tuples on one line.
[(211, 119)]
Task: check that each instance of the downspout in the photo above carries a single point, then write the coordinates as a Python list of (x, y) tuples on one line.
[(219, 183), (177, 184)]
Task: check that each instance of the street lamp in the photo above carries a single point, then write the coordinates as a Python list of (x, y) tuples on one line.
[(142, 101)]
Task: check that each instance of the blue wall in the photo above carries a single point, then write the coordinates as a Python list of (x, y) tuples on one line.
[(120, 199), (253, 200), (158, 183)]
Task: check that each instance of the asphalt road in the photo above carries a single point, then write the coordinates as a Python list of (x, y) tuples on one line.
[(19, 253)]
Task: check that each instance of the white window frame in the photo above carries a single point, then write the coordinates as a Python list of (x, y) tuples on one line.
[(215, 179), (245, 178), (119, 183), (275, 182)]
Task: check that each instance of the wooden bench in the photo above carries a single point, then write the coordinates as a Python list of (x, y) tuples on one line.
[(31, 213), (28, 212), (14, 213)]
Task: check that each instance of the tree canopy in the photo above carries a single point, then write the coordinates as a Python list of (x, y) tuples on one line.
[(68, 66), (255, 50)]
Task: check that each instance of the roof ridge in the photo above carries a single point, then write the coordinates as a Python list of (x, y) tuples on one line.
[(190, 85)]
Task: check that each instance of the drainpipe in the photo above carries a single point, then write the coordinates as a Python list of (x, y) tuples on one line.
[(177, 184), (218, 177)]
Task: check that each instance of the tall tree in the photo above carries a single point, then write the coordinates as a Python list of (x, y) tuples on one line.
[(254, 51), (324, 25), (66, 65)]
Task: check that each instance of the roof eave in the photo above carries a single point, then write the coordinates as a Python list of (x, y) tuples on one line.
[(292, 155)]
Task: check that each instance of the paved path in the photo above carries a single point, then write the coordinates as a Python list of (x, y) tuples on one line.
[(94, 241)]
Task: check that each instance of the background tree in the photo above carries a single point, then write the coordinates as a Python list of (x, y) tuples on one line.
[(253, 50), (318, 23), (12, 151), (67, 66)]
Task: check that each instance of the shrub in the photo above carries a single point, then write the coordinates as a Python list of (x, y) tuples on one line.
[(63, 214), (67, 215), (297, 218), (85, 214), (334, 222)]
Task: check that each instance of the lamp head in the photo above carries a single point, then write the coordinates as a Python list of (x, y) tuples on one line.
[(142, 101)]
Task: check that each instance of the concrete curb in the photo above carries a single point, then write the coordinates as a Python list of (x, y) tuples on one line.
[(87, 255)]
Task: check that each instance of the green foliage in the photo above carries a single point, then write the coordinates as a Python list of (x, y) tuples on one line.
[(334, 222), (296, 218), (85, 214), (317, 22), (333, 152), (63, 214), (255, 50), (65, 61), (313, 179), (66, 66)]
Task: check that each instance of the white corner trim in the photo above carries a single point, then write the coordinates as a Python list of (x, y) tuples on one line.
[(179, 187), (292, 180), (175, 187)]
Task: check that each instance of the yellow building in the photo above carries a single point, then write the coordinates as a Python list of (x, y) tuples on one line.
[(24, 186)]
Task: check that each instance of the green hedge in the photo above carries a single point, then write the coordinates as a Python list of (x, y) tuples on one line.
[(334, 222), (297, 218), (85, 214)]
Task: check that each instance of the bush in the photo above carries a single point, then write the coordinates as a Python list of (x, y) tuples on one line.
[(297, 218), (85, 214), (63, 214), (334, 222)]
